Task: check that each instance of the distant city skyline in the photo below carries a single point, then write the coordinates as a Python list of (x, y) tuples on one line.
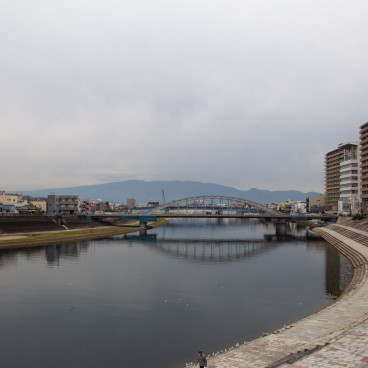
[(247, 94)]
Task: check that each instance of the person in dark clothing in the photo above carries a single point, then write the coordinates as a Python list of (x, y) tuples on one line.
[(202, 360)]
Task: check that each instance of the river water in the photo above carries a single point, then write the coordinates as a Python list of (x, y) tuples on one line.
[(134, 302)]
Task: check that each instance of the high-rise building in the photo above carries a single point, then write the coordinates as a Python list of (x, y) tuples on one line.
[(363, 143), (131, 203), (349, 179), (341, 178), (332, 179)]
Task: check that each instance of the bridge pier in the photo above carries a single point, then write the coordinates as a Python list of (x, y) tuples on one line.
[(143, 228)]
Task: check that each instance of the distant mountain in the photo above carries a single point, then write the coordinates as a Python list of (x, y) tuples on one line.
[(146, 191)]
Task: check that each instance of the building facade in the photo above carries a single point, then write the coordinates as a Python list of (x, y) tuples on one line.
[(286, 206), (349, 179), (41, 204), (342, 179), (11, 199), (88, 206), (62, 205), (8, 209), (317, 203), (299, 207), (131, 203), (332, 179), (363, 145)]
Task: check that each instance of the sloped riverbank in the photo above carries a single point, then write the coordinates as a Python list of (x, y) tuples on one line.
[(27, 232)]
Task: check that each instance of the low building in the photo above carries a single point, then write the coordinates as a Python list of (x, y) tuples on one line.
[(88, 206), (317, 203), (62, 205), (26, 209), (286, 206), (41, 204), (6, 198), (299, 207), (103, 206), (153, 204), (8, 209), (272, 206)]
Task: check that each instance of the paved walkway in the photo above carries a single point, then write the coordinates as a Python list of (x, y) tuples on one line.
[(337, 336)]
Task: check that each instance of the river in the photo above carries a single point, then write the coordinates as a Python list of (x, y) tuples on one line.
[(154, 301)]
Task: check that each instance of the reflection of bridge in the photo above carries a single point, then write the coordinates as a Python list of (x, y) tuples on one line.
[(213, 250), (203, 250)]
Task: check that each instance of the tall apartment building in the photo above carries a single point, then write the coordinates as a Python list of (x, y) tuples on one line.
[(341, 178), (131, 203), (363, 143), (349, 179), (332, 179)]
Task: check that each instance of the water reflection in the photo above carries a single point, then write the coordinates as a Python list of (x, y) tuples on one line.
[(235, 247), (72, 250), (187, 246), (339, 272), (52, 253)]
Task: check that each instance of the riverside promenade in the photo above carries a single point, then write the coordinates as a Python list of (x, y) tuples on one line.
[(336, 336)]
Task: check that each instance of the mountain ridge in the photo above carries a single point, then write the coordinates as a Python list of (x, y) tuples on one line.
[(152, 191)]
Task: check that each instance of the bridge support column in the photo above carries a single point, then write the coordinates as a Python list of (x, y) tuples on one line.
[(142, 228)]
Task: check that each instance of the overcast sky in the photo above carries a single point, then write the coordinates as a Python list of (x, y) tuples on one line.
[(245, 93)]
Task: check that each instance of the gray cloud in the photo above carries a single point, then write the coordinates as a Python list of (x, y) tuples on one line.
[(242, 93)]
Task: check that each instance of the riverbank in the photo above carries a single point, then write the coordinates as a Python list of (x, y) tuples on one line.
[(86, 231), (334, 337)]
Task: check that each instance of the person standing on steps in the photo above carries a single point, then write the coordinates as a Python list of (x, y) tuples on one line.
[(202, 360)]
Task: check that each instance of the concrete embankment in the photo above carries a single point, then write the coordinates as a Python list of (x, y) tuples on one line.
[(336, 336)]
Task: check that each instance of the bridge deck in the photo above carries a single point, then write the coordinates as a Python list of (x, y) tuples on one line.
[(153, 216)]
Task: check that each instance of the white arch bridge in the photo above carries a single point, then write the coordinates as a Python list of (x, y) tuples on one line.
[(209, 206), (212, 205)]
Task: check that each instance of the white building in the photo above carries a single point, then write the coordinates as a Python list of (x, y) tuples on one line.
[(62, 205), (300, 207), (348, 203)]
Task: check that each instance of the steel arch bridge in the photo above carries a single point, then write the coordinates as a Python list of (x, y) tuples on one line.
[(213, 203)]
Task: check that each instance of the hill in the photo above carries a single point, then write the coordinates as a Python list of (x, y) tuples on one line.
[(146, 191)]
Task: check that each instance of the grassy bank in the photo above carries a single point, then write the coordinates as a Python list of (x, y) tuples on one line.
[(36, 239)]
